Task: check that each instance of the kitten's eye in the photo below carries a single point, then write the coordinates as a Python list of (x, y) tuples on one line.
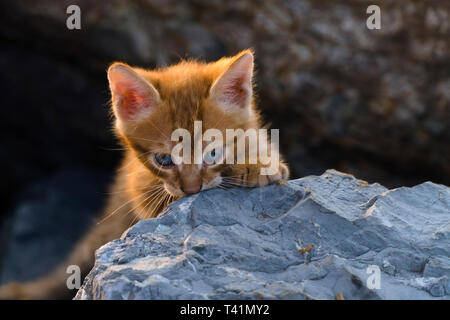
[(213, 156), (164, 159)]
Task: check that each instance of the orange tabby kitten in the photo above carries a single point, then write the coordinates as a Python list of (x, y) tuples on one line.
[(148, 106)]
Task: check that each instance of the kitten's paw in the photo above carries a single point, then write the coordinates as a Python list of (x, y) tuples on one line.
[(256, 179), (281, 175)]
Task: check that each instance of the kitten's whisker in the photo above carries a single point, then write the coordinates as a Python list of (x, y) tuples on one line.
[(236, 180), (160, 201), (233, 179), (150, 200), (143, 209), (136, 207), (145, 139), (233, 184), (126, 190), (163, 202), (154, 189), (154, 196), (159, 169), (149, 213), (124, 168), (120, 207), (168, 201), (237, 184)]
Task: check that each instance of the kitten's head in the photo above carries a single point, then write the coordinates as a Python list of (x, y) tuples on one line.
[(150, 104)]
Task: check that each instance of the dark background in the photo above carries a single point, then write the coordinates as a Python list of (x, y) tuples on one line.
[(373, 103)]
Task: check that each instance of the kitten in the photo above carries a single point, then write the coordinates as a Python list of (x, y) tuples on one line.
[(148, 106)]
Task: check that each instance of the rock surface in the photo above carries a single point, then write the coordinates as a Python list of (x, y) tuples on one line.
[(244, 244)]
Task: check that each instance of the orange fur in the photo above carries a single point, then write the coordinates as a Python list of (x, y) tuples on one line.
[(149, 105)]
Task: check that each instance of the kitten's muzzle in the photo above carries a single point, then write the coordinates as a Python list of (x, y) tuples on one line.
[(191, 189)]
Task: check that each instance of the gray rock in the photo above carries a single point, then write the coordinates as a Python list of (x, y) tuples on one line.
[(244, 244)]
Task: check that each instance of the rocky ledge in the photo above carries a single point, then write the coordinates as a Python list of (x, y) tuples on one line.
[(312, 238)]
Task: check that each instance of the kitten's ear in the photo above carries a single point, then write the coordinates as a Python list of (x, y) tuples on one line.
[(133, 97), (233, 89)]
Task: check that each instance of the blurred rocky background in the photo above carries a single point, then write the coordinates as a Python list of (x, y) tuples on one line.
[(373, 103)]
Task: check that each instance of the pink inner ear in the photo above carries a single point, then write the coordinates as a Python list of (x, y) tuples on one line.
[(132, 95), (234, 91), (130, 101)]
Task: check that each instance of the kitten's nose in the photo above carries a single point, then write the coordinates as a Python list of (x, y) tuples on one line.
[(190, 180), (191, 189)]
